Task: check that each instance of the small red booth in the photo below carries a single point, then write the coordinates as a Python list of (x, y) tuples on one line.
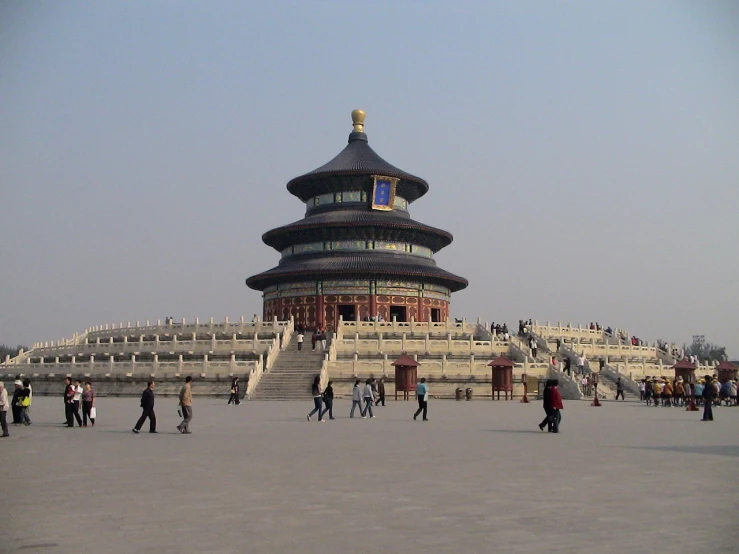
[(686, 370), (727, 372), (502, 369), (406, 376)]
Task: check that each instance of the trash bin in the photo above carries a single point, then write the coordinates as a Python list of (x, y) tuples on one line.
[(458, 394), (468, 394)]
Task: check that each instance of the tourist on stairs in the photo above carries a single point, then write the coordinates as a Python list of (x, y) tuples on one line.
[(356, 399)]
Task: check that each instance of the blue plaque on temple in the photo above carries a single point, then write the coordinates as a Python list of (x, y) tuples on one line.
[(383, 193)]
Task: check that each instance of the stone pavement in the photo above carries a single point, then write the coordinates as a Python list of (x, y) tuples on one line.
[(478, 477)]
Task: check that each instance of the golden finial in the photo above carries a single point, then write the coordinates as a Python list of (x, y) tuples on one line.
[(358, 119)]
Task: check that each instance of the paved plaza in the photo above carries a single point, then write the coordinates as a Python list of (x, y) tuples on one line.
[(478, 477)]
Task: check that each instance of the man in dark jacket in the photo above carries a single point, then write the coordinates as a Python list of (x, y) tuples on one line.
[(547, 395), (15, 402), (709, 393), (68, 402), (380, 392), (147, 405)]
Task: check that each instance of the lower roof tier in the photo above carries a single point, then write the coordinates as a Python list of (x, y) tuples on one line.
[(357, 225), (357, 265)]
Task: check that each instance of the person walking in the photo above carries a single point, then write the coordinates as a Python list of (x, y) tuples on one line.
[(234, 398), (557, 406), (15, 402), (147, 406), (4, 410), (620, 389), (568, 366), (547, 405), (380, 392), (314, 339), (422, 395), (369, 398), (357, 399), (25, 404), (315, 389), (68, 398), (186, 406), (581, 361), (328, 400), (709, 394), (76, 401), (88, 403), (301, 337), (322, 337)]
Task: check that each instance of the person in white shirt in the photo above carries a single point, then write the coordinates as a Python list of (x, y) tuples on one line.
[(581, 363), (4, 410), (300, 341), (76, 401)]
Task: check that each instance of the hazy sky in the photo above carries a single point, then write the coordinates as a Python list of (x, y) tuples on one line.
[(585, 155)]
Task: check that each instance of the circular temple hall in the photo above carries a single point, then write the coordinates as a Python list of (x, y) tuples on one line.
[(356, 254)]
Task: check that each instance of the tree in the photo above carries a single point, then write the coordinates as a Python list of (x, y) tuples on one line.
[(6, 350), (706, 351)]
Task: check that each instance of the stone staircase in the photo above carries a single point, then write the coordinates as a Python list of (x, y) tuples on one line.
[(292, 373)]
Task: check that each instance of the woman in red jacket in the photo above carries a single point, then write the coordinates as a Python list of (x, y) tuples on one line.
[(556, 406)]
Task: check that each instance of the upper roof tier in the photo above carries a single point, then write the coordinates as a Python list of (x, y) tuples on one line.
[(357, 159)]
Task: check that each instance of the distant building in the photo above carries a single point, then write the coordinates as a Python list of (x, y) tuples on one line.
[(357, 253)]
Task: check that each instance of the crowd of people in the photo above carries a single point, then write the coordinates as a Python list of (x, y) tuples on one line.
[(667, 392), (364, 397)]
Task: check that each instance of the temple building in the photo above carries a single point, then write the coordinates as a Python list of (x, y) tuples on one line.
[(357, 253)]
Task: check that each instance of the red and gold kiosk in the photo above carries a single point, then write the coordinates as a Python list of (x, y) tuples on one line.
[(502, 370), (406, 376), (727, 372)]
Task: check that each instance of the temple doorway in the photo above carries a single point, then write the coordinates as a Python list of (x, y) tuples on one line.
[(435, 314), (347, 312), (397, 312)]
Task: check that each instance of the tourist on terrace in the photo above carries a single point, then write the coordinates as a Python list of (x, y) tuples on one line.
[(380, 392), (369, 398), (422, 395), (328, 400), (317, 399), (147, 407), (356, 399), (88, 403), (234, 397), (4, 410), (186, 405), (709, 394), (300, 341)]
